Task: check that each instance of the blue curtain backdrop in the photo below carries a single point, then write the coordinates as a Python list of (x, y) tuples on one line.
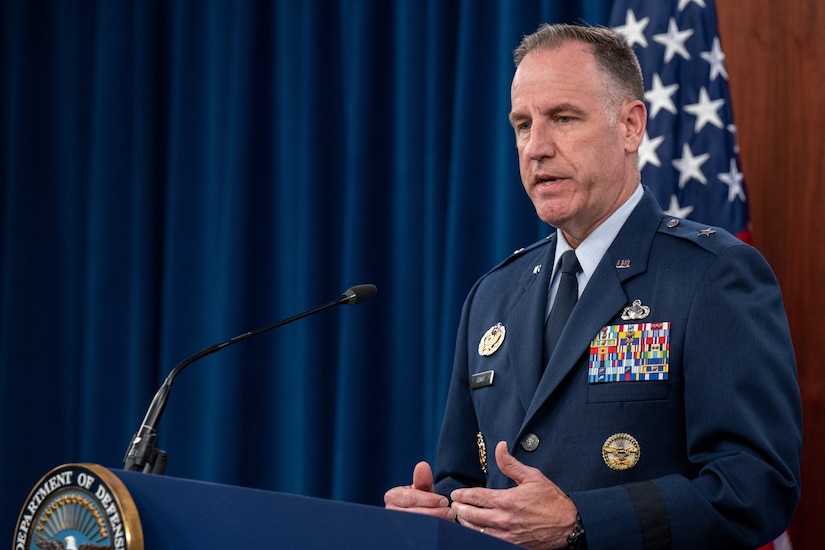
[(177, 173)]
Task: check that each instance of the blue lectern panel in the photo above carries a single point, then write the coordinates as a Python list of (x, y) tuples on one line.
[(181, 514)]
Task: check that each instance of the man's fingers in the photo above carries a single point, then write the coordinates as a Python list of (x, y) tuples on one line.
[(477, 497), (477, 517), (423, 477), (407, 497), (443, 512), (420, 496), (512, 468)]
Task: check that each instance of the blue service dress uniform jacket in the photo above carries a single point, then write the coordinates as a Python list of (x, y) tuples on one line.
[(713, 454)]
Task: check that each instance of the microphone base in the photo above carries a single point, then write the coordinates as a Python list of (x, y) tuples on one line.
[(157, 464), (144, 457)]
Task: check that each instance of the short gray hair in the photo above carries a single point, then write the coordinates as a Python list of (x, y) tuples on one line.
[(614, 56)]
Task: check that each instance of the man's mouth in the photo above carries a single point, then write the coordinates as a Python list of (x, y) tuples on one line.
[(546, 180)]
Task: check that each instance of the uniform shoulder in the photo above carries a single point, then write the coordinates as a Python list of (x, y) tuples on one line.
[(525, 252), (712, 239)]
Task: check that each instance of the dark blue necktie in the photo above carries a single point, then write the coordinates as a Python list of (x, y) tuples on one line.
[(566, 297)]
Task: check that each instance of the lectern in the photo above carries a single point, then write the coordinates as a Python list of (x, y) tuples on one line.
[(174, 513)]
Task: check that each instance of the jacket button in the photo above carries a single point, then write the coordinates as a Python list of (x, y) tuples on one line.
[(530, 442)]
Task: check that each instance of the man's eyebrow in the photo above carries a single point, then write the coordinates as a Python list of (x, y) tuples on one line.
[(566, 108), (517, 116)]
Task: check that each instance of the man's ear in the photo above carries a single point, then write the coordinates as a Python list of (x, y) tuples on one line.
[(633, 124)]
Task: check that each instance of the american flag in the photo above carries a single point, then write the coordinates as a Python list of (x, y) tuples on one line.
[(689, 156)]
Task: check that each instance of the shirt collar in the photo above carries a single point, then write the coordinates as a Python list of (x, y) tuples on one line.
[(592, 248)]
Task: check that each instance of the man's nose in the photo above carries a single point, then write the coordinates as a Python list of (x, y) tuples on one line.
[(540, 143)]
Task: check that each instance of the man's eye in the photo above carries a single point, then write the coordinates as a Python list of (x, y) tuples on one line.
[(564, 119), (524, 126)]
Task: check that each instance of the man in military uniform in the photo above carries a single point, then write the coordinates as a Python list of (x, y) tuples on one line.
[(668, 415)]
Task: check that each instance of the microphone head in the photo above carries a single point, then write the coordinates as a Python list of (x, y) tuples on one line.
[(357, 294)]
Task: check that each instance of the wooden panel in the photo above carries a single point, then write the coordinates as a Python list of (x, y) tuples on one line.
[(775, 55)]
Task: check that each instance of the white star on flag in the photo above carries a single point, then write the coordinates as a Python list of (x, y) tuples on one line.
[(633, 30), (661, 97), (733, 179), (647, 151), (683, 3), (690, 166), (716, 59), (676, 210), (706, 110), (674, 41)]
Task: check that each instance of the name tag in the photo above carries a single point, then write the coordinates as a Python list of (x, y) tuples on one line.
[(482, 379), (630, 353)]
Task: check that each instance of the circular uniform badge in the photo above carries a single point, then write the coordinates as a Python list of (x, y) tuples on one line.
[(79, 506), (621, 451), (492, 340)]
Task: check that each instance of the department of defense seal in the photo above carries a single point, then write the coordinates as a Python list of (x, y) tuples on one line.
[(79, 507), (492, 340), (621, 451)]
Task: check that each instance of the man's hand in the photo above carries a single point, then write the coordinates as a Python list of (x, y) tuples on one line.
[(534, 514), (420, 497)]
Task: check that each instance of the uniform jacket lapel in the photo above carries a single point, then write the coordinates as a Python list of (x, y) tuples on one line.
[(602, 299), (526, 328)]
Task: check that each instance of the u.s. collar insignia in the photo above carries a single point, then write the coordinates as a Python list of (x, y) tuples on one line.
[(621, 451), (492, 340), (635, 312), (482, 452)]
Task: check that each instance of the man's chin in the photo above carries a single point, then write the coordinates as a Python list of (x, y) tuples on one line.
[(551, 215)]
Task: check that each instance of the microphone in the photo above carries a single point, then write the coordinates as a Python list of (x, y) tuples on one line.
[(142, 454)]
